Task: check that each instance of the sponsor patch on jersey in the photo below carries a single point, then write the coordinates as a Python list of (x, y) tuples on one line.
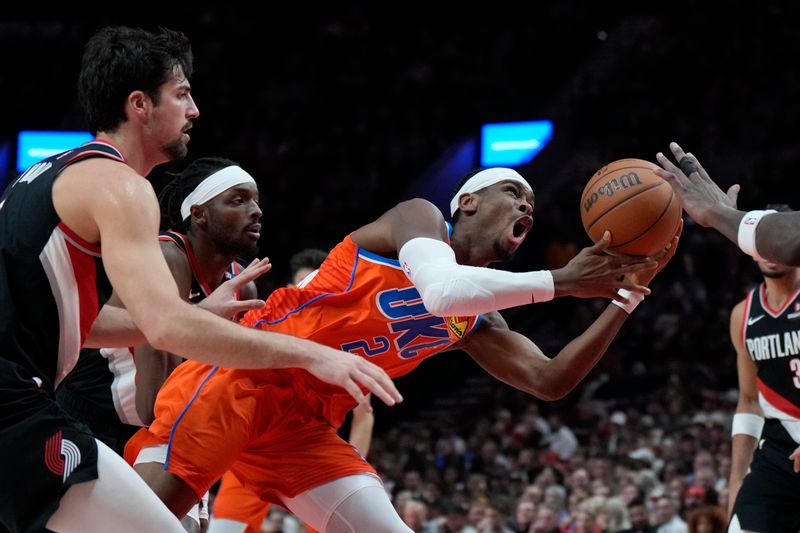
[(458, 326)]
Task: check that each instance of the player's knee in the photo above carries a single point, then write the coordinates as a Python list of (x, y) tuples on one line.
[(176, 494)]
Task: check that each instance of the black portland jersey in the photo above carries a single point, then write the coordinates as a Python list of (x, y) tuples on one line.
[(200, 287), (106, 378), (52, 283), (772, 339)]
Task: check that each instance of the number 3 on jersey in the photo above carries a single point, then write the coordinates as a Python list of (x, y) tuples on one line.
[(794, 364)]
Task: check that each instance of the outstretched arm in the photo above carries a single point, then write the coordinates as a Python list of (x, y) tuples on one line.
[(416, 231), (777, 236), (514, 359), (123, 211), (114, 327)]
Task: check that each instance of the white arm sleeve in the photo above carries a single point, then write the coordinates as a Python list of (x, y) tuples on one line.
[(447, 288)]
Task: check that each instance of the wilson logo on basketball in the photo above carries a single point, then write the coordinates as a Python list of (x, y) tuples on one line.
[(61, 456), (609, 188)]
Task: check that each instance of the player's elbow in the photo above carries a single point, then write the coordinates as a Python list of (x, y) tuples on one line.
[(549, 388), (551, 393), (159, 334)]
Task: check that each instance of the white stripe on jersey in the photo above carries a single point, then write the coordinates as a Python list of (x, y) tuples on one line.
[(790, 423), (57, 265), (123, 388)]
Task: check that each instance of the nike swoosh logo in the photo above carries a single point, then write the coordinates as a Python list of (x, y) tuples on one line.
[(753, 320), (196, 294)]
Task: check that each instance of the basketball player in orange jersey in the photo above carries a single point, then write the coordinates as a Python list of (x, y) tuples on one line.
[(275, 430), (55, 278), (237, 509), (776, 238)]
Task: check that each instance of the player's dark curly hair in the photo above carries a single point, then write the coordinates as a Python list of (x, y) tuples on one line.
[(175, 192), (120, 60)]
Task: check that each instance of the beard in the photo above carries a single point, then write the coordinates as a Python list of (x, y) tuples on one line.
[(501, 252), (774, 274), (176, 150), (221, 237)]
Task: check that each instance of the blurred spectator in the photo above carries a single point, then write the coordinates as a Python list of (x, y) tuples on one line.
[(546, 521), (304, 263), (415, 515), (639, 518), (667, 519), (523, 516), (709, 519)]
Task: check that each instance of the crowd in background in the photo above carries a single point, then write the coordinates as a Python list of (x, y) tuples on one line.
[(336, 117)]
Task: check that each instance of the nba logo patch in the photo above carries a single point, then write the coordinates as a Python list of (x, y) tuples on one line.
[(796, 307)]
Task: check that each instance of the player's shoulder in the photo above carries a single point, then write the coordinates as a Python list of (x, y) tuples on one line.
[(172, 251), (113, 181), (418, 205), (106, 168), (737, 313)]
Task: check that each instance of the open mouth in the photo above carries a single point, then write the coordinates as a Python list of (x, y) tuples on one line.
[(522, 226)]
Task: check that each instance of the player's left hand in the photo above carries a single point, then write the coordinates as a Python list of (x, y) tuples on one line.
[(796, 458), (222, 302)]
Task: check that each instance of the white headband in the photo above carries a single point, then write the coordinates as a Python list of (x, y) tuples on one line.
[(483, 179), (217, 183)]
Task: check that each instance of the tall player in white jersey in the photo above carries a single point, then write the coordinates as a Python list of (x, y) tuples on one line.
[(765, 330)]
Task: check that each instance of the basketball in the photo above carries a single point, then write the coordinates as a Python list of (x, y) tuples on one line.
[(628, 199)]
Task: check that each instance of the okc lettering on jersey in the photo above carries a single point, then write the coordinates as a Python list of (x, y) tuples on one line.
[(774, 346), (411, 328)]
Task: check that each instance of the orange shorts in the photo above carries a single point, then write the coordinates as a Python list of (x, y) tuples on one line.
[(257, 424), (234, 501)]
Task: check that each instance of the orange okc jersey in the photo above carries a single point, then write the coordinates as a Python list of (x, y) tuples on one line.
[(276, 429), (365, 304)]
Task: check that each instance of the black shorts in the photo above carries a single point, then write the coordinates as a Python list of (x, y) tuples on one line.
[(43, 451), (103, 422), (769, 499)]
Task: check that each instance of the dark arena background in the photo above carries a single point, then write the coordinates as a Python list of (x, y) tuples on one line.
[(340, 116)]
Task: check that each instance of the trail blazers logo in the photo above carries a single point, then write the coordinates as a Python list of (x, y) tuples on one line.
[(61, 456), (457, 326)]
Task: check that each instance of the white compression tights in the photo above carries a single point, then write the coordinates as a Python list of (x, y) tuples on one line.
[(118, 500), (351, 504)]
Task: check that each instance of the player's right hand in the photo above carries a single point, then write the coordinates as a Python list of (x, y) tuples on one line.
[(352, 372), (595, 274)]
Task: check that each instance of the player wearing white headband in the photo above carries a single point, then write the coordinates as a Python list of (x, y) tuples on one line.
[(276, 431), (212, 214)]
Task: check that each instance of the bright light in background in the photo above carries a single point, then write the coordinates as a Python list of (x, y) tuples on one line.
[(513, 143), (33, 146)]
